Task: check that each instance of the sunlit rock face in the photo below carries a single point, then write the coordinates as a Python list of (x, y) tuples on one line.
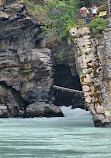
[(93, 58), (25, 64)]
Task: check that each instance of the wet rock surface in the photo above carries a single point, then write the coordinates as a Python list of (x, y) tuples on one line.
[(26, 66), (41, 109)]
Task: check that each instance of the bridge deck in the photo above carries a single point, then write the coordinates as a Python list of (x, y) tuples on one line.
[(66, 89)]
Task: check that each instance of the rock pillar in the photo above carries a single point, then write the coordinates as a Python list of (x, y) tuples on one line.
[(93, 62)]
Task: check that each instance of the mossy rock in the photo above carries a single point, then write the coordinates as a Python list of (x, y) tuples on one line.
[(82, 77)]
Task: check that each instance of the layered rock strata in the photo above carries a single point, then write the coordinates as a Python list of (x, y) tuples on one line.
[(93, 62), (26, 66)]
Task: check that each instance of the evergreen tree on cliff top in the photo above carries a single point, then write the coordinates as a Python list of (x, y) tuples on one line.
[(56, 16)]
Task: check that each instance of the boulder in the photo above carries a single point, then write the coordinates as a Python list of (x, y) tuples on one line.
[(41, 109), (11, 104)]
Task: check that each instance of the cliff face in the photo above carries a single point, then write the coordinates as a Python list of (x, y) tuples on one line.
[(94, 67), (27, 74), (25, 64), (26, 67)]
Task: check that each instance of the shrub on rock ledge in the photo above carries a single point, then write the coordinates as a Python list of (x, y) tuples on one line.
[(98, 25)]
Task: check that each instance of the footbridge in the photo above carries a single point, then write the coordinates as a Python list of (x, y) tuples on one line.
[(67, 89)]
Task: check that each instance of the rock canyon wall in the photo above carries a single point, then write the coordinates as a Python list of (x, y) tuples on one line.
[(28, 70), (26, 66), (93, 62)]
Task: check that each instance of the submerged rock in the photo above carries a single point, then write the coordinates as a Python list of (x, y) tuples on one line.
[(41, 109)]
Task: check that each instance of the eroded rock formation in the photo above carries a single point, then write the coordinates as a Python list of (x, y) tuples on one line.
[(93, 61), (26, 66), (27, 73)]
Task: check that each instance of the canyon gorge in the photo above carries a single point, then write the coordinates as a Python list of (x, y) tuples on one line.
[(29, 70)]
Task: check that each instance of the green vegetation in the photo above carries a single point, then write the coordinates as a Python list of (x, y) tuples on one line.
[(62, 55), (37, 10), (58, 16), (89, 3), (80, 22), (97, 25), (79, 53)]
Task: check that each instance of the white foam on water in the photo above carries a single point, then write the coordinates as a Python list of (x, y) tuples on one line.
[(69, 112)]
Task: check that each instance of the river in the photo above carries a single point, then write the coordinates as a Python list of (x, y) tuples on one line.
[(73, 136)]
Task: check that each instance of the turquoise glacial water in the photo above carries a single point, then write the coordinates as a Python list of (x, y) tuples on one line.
[(73, 136)]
